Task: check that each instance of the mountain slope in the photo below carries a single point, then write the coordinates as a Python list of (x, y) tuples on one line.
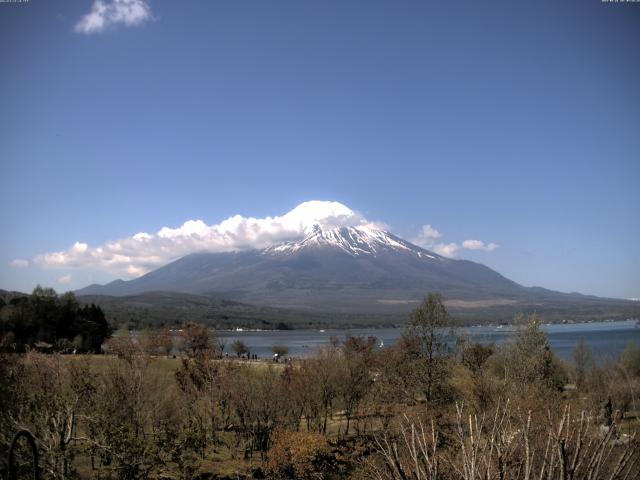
[(349, 269)]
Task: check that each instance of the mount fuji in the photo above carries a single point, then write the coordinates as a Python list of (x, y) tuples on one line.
[(357, 269)]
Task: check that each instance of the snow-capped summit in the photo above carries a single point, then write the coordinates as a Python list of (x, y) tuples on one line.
[(360, 240), (320, 212), (352, 268), (333, 262)]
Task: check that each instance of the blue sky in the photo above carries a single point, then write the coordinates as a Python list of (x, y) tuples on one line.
[(514, 123)]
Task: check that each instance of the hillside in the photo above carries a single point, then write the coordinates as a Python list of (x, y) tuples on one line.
[(354, 272)]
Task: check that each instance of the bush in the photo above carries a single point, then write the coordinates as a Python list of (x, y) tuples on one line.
[(299, 455)]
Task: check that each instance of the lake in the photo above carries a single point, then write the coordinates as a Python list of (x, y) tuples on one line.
[(606, 339)]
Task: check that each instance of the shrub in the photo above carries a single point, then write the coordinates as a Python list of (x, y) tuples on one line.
[(299, 455)]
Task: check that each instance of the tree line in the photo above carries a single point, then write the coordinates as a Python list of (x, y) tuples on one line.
[(51, 322)]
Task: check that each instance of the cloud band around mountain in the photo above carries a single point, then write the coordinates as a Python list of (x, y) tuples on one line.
[(142, 252), (138, 254)]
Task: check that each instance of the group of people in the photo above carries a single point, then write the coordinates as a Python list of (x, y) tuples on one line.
[(277, 358)]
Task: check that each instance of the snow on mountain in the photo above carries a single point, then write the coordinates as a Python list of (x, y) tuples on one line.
[(313, 212), (349, 269), (361, 240)]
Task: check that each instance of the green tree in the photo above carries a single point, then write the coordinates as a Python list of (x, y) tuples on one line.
[(426, 339), (59, 321), (240, 348), (45, 313), (530, 363)]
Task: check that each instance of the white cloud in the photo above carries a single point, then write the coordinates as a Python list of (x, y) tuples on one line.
[(479, 245), (427, 236), (103, 14), (446, 249), (135, 255), (65, 280), (19, 263)]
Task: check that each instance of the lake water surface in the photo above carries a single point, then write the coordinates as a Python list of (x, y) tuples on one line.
[(606, 339)]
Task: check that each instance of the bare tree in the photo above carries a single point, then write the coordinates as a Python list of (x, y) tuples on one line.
[(413, 454), (582, 362), (505, 446)]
